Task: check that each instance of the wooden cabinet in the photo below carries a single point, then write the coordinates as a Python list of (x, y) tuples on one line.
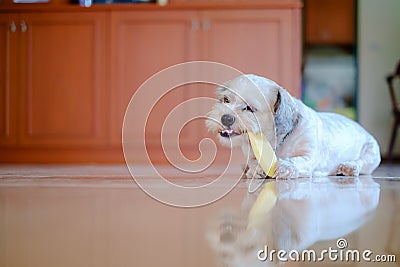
[(263, 42), (330, 22), (67, 77), (62, 73), (142, 44), (8, 80), (253, 41), (54, 72)]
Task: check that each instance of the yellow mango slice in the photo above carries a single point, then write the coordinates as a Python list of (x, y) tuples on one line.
[(262, 206), (264, 153)]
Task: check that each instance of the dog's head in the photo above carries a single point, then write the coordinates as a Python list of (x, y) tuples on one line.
[(246, 103)]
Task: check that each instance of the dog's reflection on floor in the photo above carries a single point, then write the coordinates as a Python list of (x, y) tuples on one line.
[(306, 211)]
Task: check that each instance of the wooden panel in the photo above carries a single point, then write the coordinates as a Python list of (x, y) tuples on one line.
[(260, 42), (144, 43), (8, 80), (64, 79), (330, 21)]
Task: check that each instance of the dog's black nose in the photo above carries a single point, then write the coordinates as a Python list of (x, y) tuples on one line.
[(227, 120)]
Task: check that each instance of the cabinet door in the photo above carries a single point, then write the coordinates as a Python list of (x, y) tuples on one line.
[(8, 79), (263, 42), (330, 22), (62, 73), (144, 43)]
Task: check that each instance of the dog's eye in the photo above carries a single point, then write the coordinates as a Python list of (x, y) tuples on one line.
[(248, 108), (225, 100)]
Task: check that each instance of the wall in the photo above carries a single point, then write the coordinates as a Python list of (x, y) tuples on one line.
[(379, 52)]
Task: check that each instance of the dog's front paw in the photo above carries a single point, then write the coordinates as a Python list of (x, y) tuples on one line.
[(286, 170), (349, 168), (255, 171)]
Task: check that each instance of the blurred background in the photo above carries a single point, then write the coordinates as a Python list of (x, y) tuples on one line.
[(350, 48), (68, 69)]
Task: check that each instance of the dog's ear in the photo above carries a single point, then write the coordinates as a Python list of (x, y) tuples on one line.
[(286, 113), (277, 101)]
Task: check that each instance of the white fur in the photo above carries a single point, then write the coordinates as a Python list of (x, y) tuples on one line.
[(307, 143)]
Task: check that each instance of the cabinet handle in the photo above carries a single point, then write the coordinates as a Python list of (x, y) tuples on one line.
[(13, 27), (23, 26), (206, 25), (195, 24)]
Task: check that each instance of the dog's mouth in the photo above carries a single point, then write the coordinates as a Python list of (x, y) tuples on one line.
[(228, 132)]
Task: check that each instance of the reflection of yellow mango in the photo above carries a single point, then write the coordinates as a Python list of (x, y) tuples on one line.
[(264, 153), (262, 206)]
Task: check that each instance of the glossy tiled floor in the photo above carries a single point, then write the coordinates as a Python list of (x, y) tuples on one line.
[(98, 216)]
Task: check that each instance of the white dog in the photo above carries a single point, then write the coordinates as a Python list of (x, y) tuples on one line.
[(307, 143)]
